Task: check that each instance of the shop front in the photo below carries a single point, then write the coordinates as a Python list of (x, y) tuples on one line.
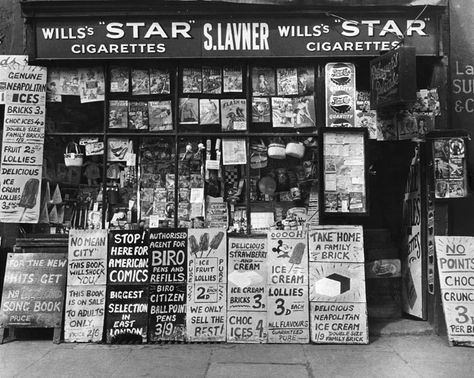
[(253, 173)]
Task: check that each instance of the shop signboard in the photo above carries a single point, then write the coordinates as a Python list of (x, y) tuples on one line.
[(128, 258), (412, 262), (337, 285), (455, 256), (393, 78), (247, 290), (22, 147), (167, 312), (127, 314), (33, 290), (85, 294), (319, 35), (287, 301), (168, 251)]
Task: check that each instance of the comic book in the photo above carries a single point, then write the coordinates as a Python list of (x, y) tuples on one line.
[(119, 79), (118, 114), (305, 81), (234, 114), (261, 109), (159, 81), (69, 82), (188, 111), (263, 81), (91, 84), (192, 80), (233, 81), (138, 115), (287, 81), (209, 112), (211, 80), (160, 115), (282, 112), (140, 82)]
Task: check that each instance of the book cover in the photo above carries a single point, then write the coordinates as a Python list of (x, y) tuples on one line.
[(160, 115), (211, 80), (138, 115), (192, 80), (140, 82), (159, 81), (209, 112), (233, 81), (305, 81), (188, 110), (263, 81), (118, 114), (234, 114), (91, 84), (287, 81), (119, 79), (261, 109)]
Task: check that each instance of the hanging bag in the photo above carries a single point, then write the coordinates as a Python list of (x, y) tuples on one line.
[(73, 156)]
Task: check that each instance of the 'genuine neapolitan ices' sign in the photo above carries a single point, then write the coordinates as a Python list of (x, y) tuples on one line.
[(321, 35)]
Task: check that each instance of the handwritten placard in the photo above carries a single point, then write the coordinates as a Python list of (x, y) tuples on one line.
[(33, 290), (128, 258), (337, 285), (167, 313), (246, 290), (206, 312), (8, 63), (455, 256), (168, 250), (126, 314)]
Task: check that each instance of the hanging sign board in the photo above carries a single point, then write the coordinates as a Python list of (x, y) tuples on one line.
[(262, 35), (168, 250), (85, 297), (393, 78), (247, 290), (167, 312), (33, 290), (455, 255), (127, 314), (337, 285), (287, 302)]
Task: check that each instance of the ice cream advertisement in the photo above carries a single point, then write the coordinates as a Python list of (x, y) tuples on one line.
[(22, 147)]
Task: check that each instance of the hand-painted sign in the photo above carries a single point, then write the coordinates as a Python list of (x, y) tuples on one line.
[(455, 256), (318, 35), (337, 285), (247, 290), (168, 250), (127, 313), (128, 258), (167, 312), (33, 290)]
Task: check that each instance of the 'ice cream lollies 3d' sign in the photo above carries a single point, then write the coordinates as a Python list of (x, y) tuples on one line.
[(22, 147)]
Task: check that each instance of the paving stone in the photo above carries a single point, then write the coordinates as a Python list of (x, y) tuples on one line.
[(242, 370)]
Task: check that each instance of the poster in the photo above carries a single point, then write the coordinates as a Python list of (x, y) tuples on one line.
[(340, 94), (412, 264), (22, 147), (247, 290), (91, 84), (167, 312), (126, 314), (128, 258), (168, 250), (455, 256), (338, 307), (288, 314), (33, 290), (234, 151), (8, 63), (206, 312)]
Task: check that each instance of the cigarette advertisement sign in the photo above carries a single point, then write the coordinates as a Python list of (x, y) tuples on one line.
[(85, 297), (33, 290), (455, 256), (337, 285), (247, 290), (22, 147), (272, 36)]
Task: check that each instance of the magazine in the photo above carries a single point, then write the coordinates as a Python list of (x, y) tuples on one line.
[(233, 81), (69, 82), (118, 114), (119, 79), (192, 80), (91, 84), (209, 112), (303, 109), (282, 112), (138, 115), (160, 115), (287, 81), (140, 82), (159, 81), (234, 114), (305, 81), (260, 109), (52, 86), (211, 80), (263, 81), (188, 110)]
